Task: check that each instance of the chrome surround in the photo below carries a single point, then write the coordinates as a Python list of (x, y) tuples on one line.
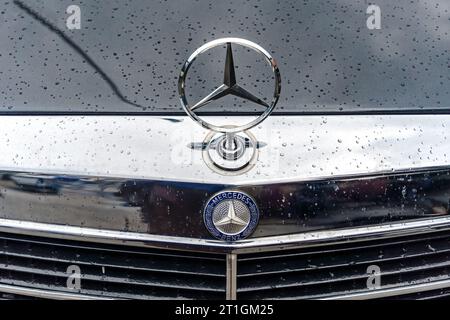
[(189, 109), (302, 240)]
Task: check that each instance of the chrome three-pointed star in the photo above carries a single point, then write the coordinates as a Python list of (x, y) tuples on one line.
[(229, 86), (231, 219)]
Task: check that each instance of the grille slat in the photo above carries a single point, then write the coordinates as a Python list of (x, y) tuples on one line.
[(111, 270), (143, 280), (341, 249), (341, 269), (426, 295), (344, 274), (118, 292), (318, 261), (345, 289), (100, 247), (295, 293), (108, 259)]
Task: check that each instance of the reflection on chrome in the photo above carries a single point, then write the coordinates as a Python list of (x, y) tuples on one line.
[(139, 205)]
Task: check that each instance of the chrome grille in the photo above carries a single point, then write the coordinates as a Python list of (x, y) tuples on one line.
[(322, 271), (110, 271)]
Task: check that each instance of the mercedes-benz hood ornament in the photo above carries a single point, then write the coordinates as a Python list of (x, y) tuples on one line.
[(225, 150)]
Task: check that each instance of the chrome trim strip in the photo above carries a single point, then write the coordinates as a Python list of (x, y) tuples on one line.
[(47, 294), (390, 292), (231, 276), (306, 239), (359, 144)]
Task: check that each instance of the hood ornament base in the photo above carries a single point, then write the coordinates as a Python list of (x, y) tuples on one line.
[(232, 154)]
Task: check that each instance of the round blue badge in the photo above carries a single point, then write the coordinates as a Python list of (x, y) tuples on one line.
[(231, 215)]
